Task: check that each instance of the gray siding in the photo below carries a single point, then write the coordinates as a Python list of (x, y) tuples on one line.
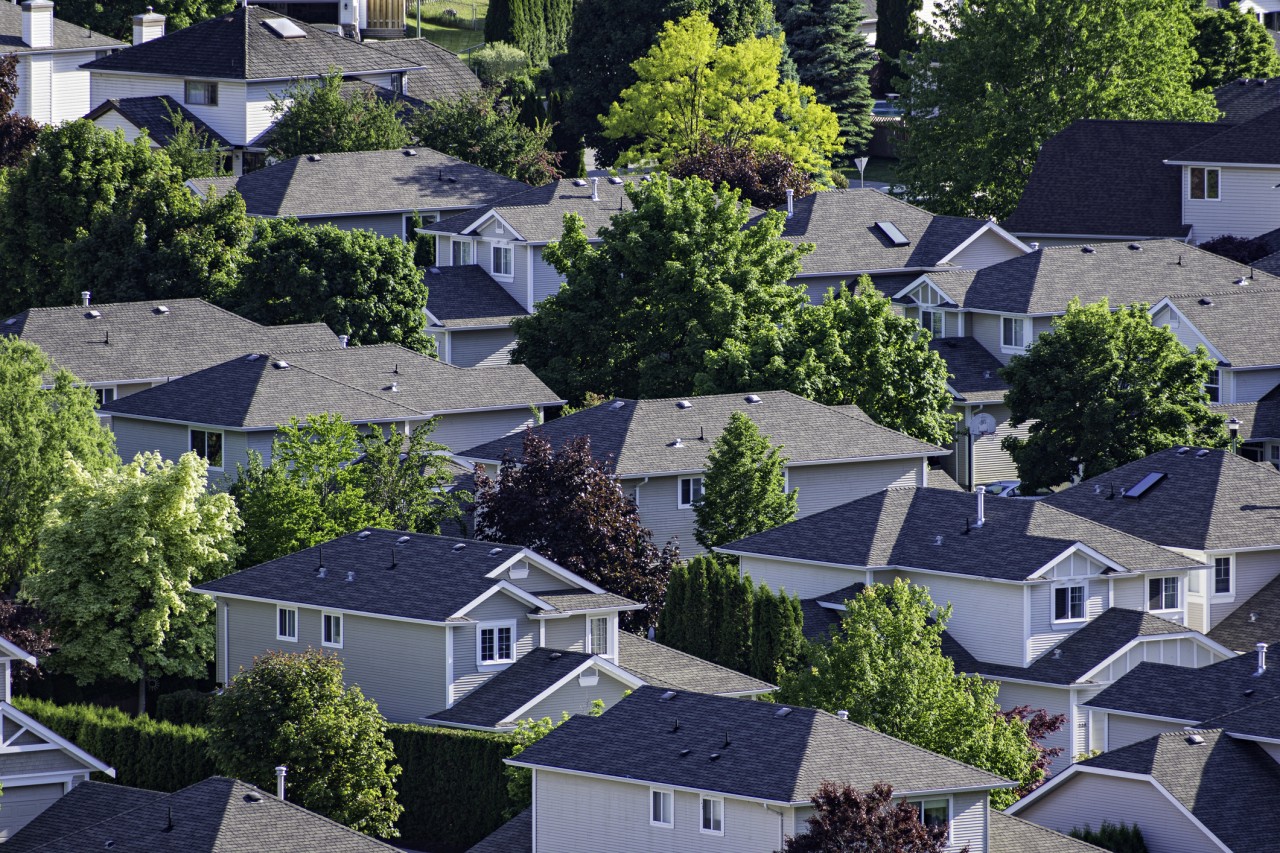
[(1248, 206), (520, 268), (1254, 570), (986, 250), (990, 461), (481, 348), (806, 581), (38, 761), (1052, 699), (968, 822), (467, 429), (573, 698), (986, 328), (987, 617), (384, 225), (1044, 633), (657, 501), (1123, 730), (825, 486), (569, 633), (537, 580), (138, 436), (1129, 593), (22, 803), (817, 286), (467, 673), (1249, 386), (546, 281)]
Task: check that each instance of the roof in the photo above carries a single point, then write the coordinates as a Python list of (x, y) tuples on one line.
[(1255, 621), (1212, 500), (1234, 320), (1109, 178), (153, 114), (218, 815), (148, 342), (240, 45), (466, 296), (1245, 99), (432, 580), (384, 382), (826, 612), (1250, 142), (442, 76), (1269, 264), (66, 35), (1009, 834), (1260, 720), (900, 527), (638, 436), (362, 182), (663, 666), (1188, 693), (758, 754), (975, 372), (537, 215), (514, 836)]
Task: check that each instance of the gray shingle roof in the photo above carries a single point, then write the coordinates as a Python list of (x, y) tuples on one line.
[(66, 35), (899, 526), (217, 815), (1231, 786), (974, 370), (1191, 694), (1215, 501), (1269, 264), (152, 114), (88, 803), (514, 836), (363, 384), (1237, 322), (1242, 100), (240, 46), (637, 436), (146, 343), (537, 215), (1252, 141), (1259, 720), (577, 602), (1255, 621), (1009, 834), (495, 702), (362, 182), (767, 757), (663, 666), (463, 297), (431, 581), (443, 75)]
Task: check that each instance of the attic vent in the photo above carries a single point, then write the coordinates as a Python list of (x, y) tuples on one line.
[(1200, 454), (351, 576), (364, 534), (285, 28), (460, 546), (1204, 300), (684, 752), (579, 182), (402, 540), (493, 552), (394, 388), (668, 696), (11, 321), (617, 404), (892, 233), (253, 797), (409, 152), (280, 365), (162, 309), (684, 404), (937, 540), (1144, 484), (615, 180), (314, 158), (677, 443), (1182, 451), (715, 756), (93, 315), (1135, 247), (1195, 740), (1242, 281), (782, 712), (1253, 617), (1088, 250), (556, 655), (752, 398), (434, 270)]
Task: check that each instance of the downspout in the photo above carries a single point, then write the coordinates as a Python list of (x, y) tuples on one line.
[(782, 825), (637, 492)]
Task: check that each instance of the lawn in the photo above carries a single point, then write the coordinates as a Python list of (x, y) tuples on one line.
[(454, 31), (878, 169)]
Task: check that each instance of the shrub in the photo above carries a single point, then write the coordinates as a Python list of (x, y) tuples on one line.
[(497, 62), (184, 707), (1118, 838)]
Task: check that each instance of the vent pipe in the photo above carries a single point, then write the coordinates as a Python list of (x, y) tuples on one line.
[(844, 715), (595, 189), (280, 771), (342, 340), (84, 297), (1262, 659), (982, 507), (791, 203)]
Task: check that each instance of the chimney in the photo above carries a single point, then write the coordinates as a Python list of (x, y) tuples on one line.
[(342, 340), (595, 189), (37, 24), (844, 715), (147, 27), (84, 297), (1262, 659), (982, 507), (791, 203), (280, 771)]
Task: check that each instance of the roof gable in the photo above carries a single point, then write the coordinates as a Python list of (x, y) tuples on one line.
[(1235, 323), (153, 114)]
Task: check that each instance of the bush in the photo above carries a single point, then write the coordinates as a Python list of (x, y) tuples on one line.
[(1118, 838), (498, 62), (184, 707)]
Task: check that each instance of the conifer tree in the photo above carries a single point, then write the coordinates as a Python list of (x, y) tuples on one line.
[(776, 637), (743, 486), (697, 612), (734, 624), (671, 630)]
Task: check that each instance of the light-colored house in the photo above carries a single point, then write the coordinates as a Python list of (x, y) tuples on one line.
[(978, 391), (52, 88), (658, 450), (450, 631)]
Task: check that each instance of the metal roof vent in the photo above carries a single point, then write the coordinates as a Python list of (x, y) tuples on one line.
[(668, 696), (684, 404), (253, 356), (1182, 451), (579, 182), (11, 321), (1204, 300), (459, 547), (253, 797), (1088, 250), (1242, 281), (403, 539), (434, 270), (556, 656), (1194, 739), (280, 364), (1253, 616), (162, 309), (986, 374), (314, 158), (782, 712), (715, 756), (1057, 654), (94, 314), (394, 388), (677, 443), (752, 398), (615, 180), (351, 576), (493, 552), (1200, 454), (1135, 247), (684, 752), (364, 534), (617, 404), (937, 540), (409, 152), (844, 715)]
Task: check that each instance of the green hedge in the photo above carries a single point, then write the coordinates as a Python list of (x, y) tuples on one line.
[(454, 788), (184, 707), (146, 753)]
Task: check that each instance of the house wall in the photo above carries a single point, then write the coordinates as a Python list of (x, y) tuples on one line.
[(1254, 570), (481, 348), (112, 121), (1123, 730), (138, 436), (569, 633), (1183, 651), (68, 97), (1045, 634), (537, 581), (1249, 386), (228, 118), (23, 803), (257, 107), (986, 329), (546, 281), (384, 224), (1248, 205), (990, 461), (825, 486), (987, 618), (467, 429), (989, 248), (806, 581), (467, 673), (1055, 700), (573, 698)]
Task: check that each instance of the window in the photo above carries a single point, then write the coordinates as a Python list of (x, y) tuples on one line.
[(661, 808), (1013, 333), (502, 260), (1222, 575), (495, 643), (598, 635), (201, 93), (1275, 453), (397, 83), (331, 630), (425, 218), (1068, 603), (934, 321), (933, 812), (461, 253), (1204, 183), (713, 815), (1213, 387), (287, 624), (1162, 594), (690, 491), (104, 395), (208, 446)]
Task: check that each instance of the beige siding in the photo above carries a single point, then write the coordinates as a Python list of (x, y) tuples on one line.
[(467, 672), (1248, 206), (990, 460), (986, 328), (1254, 570), (546, 281), (806, 581), (481, 348), (987, 616), (569, 633), (1052, 699), (825, 486), (573, 698), (125, 389), (1123, 730), (384, 225), (986, 250), (137, 436)]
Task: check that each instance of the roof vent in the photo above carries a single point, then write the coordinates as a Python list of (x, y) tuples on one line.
[(285, 28), (1144, 484), (844, 715), (684, 404), (493, 552), (615, 180), (1253, 616), (782, 712), (162, 309), (937, 540), (1204, 300), (351, 576), (1194, 739), (314, 158), (253, 797), (93, 315), (434, 270), (579, 182), (1088, 250), (1241, 281), (891, 232), (364, 534), (11, 321), (84, 297), (1057, 654), (684, 752), (1182, 451), (1200, 454), (556, 655), (677, 443), (752, 398), (715, 756), (460, 546), (280, 364), (986, 374), (394, 388), (1248, 693), (409, 152), (403, 539), (253, 356), (617, 404), (668, 696), (1135, 247), (320, 572), (109, 844)]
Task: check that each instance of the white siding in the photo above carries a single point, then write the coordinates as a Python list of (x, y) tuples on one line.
[(987, 249), (1248, 206), (1123, 730), (112, 120), (227, 118), (1182, 651), (806, 581), (987, 617), (257, 107), (40, 86), (70, 95)]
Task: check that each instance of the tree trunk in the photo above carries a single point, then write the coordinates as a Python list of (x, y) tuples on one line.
[(142, 692)]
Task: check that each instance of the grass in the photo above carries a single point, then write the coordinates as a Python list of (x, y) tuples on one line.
[(882, 169), (452, 32)]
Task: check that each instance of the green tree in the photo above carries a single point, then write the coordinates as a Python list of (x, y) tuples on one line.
[(897, 27), (689, 88), (672, 624), (120, 551), (777, 634), (744, 486), (884, 665), (484, 130), (540, 28), (38, 428), (317, 117), (191, 151), (1002, 76), (114, 17), (18, 133), (1105, 388), (528, 732), (710, 612), (293, 710), (1230, 44)]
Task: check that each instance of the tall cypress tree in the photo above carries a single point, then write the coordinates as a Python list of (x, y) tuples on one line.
[(735, 621), (896, 27), (672, 624)]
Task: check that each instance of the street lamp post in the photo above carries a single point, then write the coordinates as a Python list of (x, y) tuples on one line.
[(1233, 430)]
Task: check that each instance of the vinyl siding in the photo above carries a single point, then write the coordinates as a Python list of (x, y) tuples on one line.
[(257, 107), (825, 486), (1249, 386), (1178, 652), (546, 281), (227, 118), (657, 505), (806, 581), (987, 616), (1044, 633), (538, 580), (520, 271), (1052, 699), (1129, 593), (124, 390), (986, 328), (41, 87), (968, 823), (71, 86), (569, 633), (112, 120), (1254, 570), (467, 674), (22, 803), (1248, 206), (468, 429), (1185, 334), (1123, 730), (987, 249), (384, 225), (137, 436), (572, 698), (990, 461), (484, 348), (817, 286)]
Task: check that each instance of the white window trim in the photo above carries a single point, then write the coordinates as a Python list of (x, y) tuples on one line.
[(507, 247), (481, 627), (670, 801), (934, 309), (680, 490), (428, 218), (1026, 333), (1207, 170), (342, 629), (608, 629), (189, 82), (115, 392), (951, 810), (470, 250), (280, 636), (1222, 596), (1182, 595), (702, 829), (1053, 603), (208, 432)]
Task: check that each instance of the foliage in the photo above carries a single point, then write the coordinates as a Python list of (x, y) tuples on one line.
[(845, 818), (689, 89), (1242, 250), (356, 282), (1105, 388), (568, 507), (191, 151), (528, 732), (1000, 77), (293, 709), (38, 427), (744, 486), (777, 636), (114, 18), (485, 131), (539, 28), (1230, 44), (22, 625), (120, 551), (884, 665), (424, 245), (184, 707), (317, 117), (897, 26), (762, 179), (18, 133), (145, 753), (1118, 838), (497, 62)]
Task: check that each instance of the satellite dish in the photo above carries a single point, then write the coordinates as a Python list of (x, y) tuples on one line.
[(983, 424)]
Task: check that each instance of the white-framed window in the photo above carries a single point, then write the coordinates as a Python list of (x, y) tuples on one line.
[(934, 321), (208, 446), (1275, 453), (502, 260), (1162, 593), (1224, 572), (495, 643), (105, 395), (598, 635), (662, 810), (397, 83), (713, 815), (1013, 333), (1068, 602), (1213, 386), (1204, 184), (287, 624), (933, 813), (201, 92), (425, 218), (690, 492), (461, 252), (331, 630)]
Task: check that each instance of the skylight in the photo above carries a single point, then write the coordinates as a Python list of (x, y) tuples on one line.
[(1144, 484), (895, 236), (285, 28)]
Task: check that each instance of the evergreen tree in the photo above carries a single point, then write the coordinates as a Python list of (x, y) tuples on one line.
[(697, 607), (776, 637), (671, 629), (744, 486), (734, 643), (1230, 43), (896, 27)]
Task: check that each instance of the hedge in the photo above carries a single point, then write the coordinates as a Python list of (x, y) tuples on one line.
[(184, 707)]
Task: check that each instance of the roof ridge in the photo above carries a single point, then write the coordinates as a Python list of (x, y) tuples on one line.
[(1272, 288), (345, 829), (1117, 531)]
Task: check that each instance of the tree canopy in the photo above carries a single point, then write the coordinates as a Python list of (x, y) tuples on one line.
[(486, 131), (192, 152), (1105, 388), (846, 819), (744, 486), (1230, 44), (540, 28), (318, 117), (762, 179), (18, 133), (999, 77), (897, 27), (114, 18)]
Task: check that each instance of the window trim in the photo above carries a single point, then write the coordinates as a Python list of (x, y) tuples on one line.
[(100, 392), (429, 218), (511, 258), (1215, 382), (494, 625), (211, 86), (222, 446), (1191, 182), (680, 481), (702, 824), (608, 637), (458, 247), (669, 800), (934, 311), (1025, 323), (1230, 594), (325, 617), (1083, 585), (1178, 593), (951, 810), (280, 609)]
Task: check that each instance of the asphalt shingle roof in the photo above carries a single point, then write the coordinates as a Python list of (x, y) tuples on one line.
[(443, 76), (1237, 322), (1269, 264), (537, 215), (362, 182), (1215, 501), (152, 114), (1259, 720), (514, 836), (147, 343), (767, 757), (663, 666), (466, 296), (974, 370), (1255, 621), (88, 803), (66, 35), (363, 384), (1253, 141), (495, 702), (900, 526), (1189, 693), (1246, 99), (637, 436), (1009, 834), (577, 602)]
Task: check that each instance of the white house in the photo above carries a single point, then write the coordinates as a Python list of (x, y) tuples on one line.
[(52, 87)]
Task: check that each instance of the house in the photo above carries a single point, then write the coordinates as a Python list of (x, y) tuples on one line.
[(51, 86), (218, 815), (658, 451), (469, 314), (450, 631), (224, 411), (225, 71), (668, 769), (1051, 605), (1199, 791), (978, 390), (153, 115)]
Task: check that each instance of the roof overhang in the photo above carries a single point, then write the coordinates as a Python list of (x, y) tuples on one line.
[(235, 596), (53, 737), (1218, 164)]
